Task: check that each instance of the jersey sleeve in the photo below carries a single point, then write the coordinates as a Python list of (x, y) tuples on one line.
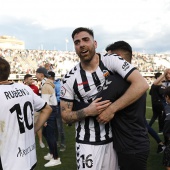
[(66, 90), (117, 64)]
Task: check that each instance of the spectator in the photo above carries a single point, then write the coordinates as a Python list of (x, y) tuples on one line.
[(48, 94), (28, 80), (166, 130), (157, 105), (60, 130)]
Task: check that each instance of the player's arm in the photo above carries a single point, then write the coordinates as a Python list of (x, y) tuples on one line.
[(69, 116), (138, 86), (162, 77), (159, 80), (43, 116)]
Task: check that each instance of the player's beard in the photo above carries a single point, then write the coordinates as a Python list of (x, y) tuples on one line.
[(87, 57)]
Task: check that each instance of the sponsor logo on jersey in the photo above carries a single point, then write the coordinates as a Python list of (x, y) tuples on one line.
[(23, 152), (63, 91), (125, 66), (106, 84)]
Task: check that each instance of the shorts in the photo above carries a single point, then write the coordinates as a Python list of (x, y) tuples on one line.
[(36, 115), (166, 155), (96, 157)]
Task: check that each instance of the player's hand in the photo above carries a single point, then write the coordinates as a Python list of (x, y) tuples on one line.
[(97, 107), (45, 124), (105, 116)]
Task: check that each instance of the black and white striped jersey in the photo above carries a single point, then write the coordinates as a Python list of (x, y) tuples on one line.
[(83, 86)]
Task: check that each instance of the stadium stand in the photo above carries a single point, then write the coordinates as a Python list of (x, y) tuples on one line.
[(24, 61)]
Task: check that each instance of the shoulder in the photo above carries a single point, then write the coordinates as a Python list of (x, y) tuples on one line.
[(20, 86), (57, 82), (71, 75), (113, 60), (117, 64), (106, 57), (48, 85)]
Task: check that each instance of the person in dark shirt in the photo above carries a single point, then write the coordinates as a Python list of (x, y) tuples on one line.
[(130, 138), (157, 105), (166, 130)]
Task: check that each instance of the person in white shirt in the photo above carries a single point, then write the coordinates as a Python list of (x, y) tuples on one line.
[(17, 131)]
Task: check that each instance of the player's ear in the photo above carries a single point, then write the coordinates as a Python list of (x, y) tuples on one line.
[(95, 43)]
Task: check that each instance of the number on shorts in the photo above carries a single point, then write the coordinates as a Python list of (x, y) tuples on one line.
[(86, 161)]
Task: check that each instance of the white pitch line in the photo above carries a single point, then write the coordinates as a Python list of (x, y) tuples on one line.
[(148, 107)]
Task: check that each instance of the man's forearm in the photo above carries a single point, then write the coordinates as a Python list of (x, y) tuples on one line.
[(73, 116), (94, 109), (133, 93), (159, 80), (44, 114)]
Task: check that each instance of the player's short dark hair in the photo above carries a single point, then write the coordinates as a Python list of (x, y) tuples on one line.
[(27, 76), (167, 91), (119, 45), (80, 29), (4, 69)]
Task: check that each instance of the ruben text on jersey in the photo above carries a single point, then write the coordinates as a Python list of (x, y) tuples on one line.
[(16, 93)]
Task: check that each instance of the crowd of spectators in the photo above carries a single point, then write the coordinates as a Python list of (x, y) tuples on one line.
[(151, 62), (27, 61)]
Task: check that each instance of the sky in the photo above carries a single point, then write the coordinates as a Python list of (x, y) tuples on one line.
[(48, 24)]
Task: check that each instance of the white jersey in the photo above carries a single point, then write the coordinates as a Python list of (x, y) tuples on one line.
[(80, 85), (17, 139)]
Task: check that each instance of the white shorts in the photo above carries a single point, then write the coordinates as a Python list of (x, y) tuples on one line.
[(96, 157)]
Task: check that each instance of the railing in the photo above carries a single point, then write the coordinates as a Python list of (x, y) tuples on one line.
[(21, 76)]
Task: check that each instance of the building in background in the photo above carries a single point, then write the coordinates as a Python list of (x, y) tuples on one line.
[(9, 42)]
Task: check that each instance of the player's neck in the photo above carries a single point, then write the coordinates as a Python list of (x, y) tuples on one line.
[(92, 66), (5, 82)]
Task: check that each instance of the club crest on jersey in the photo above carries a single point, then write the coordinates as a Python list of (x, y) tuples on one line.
[(63, 91), (106, 73)]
